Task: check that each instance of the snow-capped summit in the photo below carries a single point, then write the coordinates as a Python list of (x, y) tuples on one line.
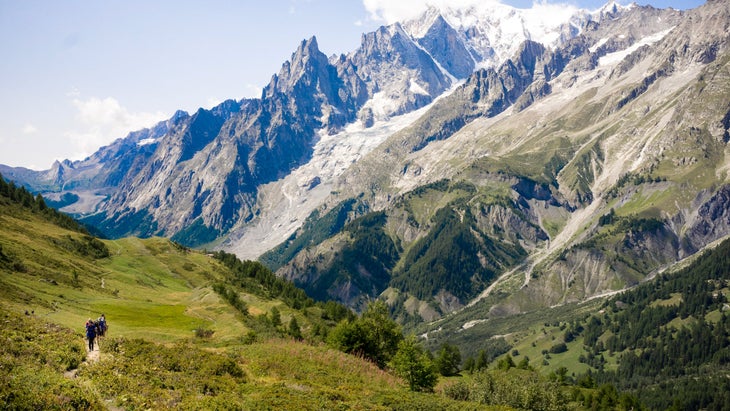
[(611, 10), (492, 31)]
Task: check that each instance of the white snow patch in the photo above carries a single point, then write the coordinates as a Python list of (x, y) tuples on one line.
[(383, 103), (146, 141), (596, 46), (493, 31), (416, 88), (613, 58), (286, 203)]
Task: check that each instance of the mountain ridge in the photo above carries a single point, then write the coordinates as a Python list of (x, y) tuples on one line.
[(536, 147)]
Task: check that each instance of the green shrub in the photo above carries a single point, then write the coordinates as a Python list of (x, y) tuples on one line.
[(146, 375), (33, 357)]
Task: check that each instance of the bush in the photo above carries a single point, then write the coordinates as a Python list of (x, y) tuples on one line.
[(144, 375), (558, 348), (459, 391), (33, 358), (518, 389), (374, 335), (201, 332)]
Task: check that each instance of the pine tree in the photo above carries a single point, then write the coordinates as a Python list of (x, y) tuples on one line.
[(448, 359), (294, 329)]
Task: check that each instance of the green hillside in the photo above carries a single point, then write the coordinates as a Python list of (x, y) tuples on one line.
[(664, 343), (196, 330), (187, 329)]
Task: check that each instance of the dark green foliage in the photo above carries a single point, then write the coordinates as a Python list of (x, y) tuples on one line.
[(448, 359), (232, 297), (86, 246), (314, 230), (632, 178), (621, 225), (117, 226), (372, 243), (705, 392), (572, 331), (670, 354), (506, 363), (254, 277), (412, 364), (370, 251), (201, 332), (374, 335), (607, 398), (608, 218), (275, 317), (196, 234), (294, 330), (334, 311), (448, 258), (558, 348), (520, 389), (493, 348), (13, 194)]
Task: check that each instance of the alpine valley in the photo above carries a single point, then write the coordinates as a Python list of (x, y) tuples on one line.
[(490, 160)]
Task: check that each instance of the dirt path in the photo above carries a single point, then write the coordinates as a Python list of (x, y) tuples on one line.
[(93, 356)]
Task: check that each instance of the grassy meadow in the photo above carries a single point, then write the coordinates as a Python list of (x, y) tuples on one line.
[(173, 341)]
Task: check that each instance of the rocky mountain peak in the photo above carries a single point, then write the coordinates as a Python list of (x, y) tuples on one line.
[(304, 60), (446, 46)]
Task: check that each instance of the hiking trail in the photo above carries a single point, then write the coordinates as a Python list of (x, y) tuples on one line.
[(91, 357)]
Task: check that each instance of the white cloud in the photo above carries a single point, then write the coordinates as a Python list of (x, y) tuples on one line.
[(392, 11), (212, 102), (29, 129), (252, 91), (102, 121)]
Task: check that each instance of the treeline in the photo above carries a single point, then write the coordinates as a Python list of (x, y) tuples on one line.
[(372, 335), (448, 257), (36, 204), (672, 336), (256, 278), (370, 249)]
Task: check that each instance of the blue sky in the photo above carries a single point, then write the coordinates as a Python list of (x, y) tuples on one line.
[(77, 74)]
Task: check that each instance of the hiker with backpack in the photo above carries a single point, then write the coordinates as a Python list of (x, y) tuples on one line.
[(91, 333), (101, 323)]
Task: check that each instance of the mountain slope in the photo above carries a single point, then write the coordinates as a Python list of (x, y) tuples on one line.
[(186, 329), (615, 152), (205, 176), (580, 157)]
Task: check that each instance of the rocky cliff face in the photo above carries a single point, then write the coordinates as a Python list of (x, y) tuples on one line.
[(603, 160)]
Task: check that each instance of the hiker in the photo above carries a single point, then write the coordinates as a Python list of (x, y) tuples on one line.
[(91, 333), (102, 325)]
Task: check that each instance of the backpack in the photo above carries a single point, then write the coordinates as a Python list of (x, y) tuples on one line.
[(91, 329)]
